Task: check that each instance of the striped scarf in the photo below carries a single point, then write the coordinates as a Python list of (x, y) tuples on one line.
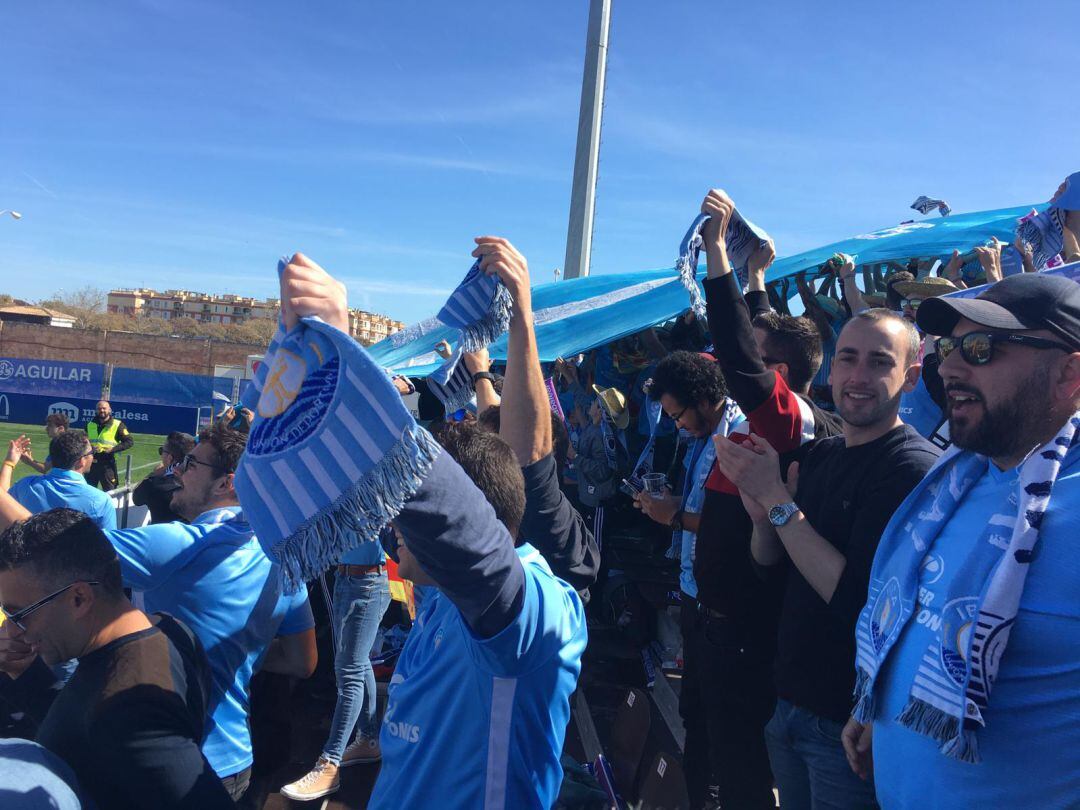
[(951, 689), (480, 308), (743, 238), (924, 205), (1045, 232), (453, 384), (333, 453), (613, 439)]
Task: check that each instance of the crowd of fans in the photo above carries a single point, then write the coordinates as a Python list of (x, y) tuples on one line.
[(866, 501)]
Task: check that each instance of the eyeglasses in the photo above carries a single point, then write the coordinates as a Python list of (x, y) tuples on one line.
[(17, 617), (911, 303), (676, 417), (161, 451), (189, 459), (977, 348)]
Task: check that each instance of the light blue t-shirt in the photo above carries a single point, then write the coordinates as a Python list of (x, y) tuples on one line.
[(57, 488), (213, 575), (367, 553), (701, 454), (918, 409), (1030, 747), (474, 722)]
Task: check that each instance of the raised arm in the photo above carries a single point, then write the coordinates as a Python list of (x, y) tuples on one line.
[(525, 418), (852, 292), (448, 525), (479, 362)]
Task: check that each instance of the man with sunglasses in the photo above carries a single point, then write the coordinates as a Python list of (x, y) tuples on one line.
[(131, 720), (1010, 361), (156, 490), (64, 484), (213, 575)]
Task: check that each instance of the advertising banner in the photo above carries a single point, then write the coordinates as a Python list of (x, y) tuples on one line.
[(31, 409), (51, 377)]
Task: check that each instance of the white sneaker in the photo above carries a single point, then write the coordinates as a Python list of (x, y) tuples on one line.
[(322, 780), (361, 752)]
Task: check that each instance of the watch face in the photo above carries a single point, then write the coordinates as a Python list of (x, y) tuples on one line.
[(780, 514)]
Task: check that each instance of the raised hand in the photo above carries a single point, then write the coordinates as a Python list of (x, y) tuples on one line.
[(719, 206), (308, 290), (499, 257), (442, 348)]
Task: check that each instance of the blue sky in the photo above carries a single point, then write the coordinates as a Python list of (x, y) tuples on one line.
[(189, 144)]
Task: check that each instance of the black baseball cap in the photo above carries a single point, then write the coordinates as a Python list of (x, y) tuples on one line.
[(1020, 302)]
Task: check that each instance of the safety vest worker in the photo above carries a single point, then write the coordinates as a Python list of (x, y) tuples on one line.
[(108, 436)]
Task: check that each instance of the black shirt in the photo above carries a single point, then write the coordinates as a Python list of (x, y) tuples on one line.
[(155, 493), (555, 527), (848, 495), (131, 720)]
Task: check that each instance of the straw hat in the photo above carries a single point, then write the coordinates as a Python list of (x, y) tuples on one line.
[(929, 287), (612, 401)]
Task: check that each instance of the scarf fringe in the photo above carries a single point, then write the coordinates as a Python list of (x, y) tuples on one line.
[(359, 513), (414, 332), (865, 704), (688, 277), (482, 333), (454, 402), (942, 727)]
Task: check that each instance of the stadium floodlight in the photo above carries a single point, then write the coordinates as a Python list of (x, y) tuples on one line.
[(14, 214)]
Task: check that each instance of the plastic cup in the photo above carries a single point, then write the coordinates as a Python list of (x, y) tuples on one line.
[(654, 484)]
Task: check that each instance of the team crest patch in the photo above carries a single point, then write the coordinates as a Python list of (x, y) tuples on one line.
[(304, 412), (885, 618), (957, 621)]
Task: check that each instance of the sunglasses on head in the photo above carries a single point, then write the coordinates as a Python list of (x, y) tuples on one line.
[(977, 348), (17, 617)]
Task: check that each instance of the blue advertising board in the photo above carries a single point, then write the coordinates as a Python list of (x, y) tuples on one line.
[(51, 378), (18, 408)]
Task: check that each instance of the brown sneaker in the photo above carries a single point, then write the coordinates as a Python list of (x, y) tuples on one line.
[(321, 781), (361, 752)]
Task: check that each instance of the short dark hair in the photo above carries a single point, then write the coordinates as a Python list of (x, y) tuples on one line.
[(228, 445), (795, 341), (58, 419), (491, 464), (179, 444), (62, 546), (688, 378), (491, 419), (882, 314), (67, 448)]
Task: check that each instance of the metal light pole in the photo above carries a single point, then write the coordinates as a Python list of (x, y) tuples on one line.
[(587, 158)]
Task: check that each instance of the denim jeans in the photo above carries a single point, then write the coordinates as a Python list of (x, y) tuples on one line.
[(359, 605), (808, 762)]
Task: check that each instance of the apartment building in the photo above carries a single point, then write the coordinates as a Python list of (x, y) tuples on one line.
[(172, 304), (371, 327)]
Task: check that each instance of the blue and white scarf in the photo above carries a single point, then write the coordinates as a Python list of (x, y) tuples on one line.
[(1044, 231), (644, 464), (613, 438), (743, 239), (951, 689), (480, 308), (452, 384), (924, 205), (333, 453)]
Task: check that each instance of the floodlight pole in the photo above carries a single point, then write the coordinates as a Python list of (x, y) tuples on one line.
[(587, 158)]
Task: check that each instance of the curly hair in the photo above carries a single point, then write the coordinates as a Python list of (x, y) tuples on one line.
[(688, 378)]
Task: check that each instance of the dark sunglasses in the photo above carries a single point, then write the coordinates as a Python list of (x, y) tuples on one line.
[(977, 348), (912, 303), (17, 617)]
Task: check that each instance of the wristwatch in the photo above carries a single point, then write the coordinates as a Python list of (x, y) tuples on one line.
[(483, 375), (780, 514)]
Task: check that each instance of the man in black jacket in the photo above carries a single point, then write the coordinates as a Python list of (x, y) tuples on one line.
[(156, 490), (825, 534), (131, 720)]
